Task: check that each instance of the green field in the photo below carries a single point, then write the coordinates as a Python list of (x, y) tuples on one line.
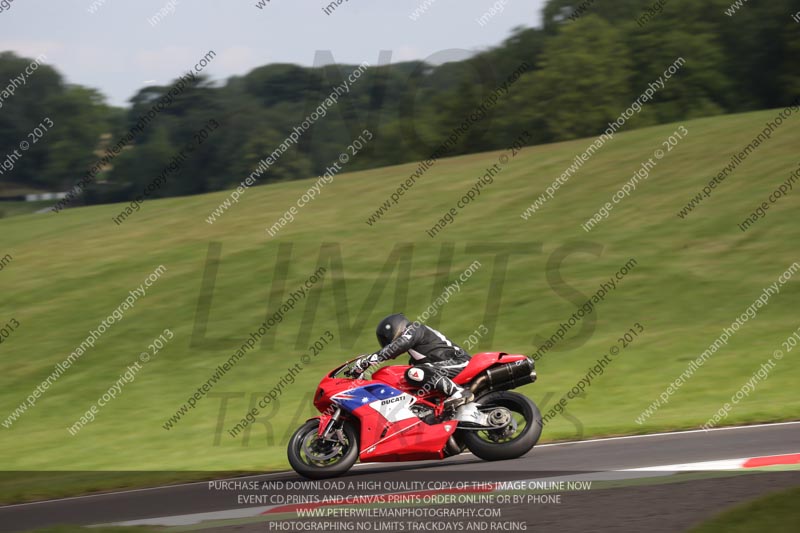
[(693, 277), (10, 209), (777, 512)]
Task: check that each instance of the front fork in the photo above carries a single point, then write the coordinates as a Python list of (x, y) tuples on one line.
[(329, 427)]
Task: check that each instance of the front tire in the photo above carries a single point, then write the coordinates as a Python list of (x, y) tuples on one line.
[(314, 458), (498, 445)]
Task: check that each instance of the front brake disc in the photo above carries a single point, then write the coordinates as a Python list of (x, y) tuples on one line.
[(314, 450)]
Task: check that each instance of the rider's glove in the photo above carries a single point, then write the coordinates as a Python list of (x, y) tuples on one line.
[(365, 362)]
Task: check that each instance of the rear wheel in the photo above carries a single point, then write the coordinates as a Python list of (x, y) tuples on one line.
[(315, 458), (521, 431)]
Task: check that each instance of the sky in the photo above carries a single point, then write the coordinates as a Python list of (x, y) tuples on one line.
[(120, 47)]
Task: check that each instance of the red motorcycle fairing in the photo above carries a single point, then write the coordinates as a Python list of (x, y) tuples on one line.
[(384, 418), (406, 440), (390, 431), (482, 361), (324, 420), (395, 375)]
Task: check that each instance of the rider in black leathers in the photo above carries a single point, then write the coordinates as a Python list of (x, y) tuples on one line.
[(435, 359)]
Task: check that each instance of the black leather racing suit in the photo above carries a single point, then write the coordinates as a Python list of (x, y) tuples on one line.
[(435, 359)]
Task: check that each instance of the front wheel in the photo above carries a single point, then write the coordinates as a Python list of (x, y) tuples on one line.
[(315, 458), (516, 437)]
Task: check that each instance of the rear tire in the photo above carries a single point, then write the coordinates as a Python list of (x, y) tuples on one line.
[(496, 445), (318, 465)]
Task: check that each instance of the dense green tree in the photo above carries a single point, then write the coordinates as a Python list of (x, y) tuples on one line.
[(587, 64), (81, 118), (22, 110), (584, 79)]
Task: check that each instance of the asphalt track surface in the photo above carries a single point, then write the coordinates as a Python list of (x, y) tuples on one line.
[(544, 461)]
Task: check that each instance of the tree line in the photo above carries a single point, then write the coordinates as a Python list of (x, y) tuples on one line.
[(582, 67)]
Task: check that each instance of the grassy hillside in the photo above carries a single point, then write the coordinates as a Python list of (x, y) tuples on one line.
[(10, 209), (693, 277), (777, 512)]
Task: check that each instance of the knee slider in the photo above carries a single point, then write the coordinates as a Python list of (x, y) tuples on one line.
[(415, 374)]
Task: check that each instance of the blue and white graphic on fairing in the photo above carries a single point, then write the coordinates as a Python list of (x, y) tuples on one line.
[(391, 403), (396, 408)]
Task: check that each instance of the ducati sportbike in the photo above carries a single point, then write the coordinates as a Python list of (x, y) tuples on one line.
[(385, 418)]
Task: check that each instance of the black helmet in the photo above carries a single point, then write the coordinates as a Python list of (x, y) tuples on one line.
[(390, 327)]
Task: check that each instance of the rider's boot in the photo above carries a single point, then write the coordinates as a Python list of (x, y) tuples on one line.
[(457, 396)]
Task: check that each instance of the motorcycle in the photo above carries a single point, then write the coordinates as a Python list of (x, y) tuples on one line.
[(386, 419)]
